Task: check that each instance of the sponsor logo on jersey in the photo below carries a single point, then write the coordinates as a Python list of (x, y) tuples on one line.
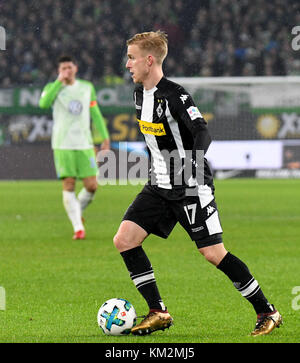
[(193, 112), (152, 128), (197, 229), (210, 209), (184, 98)]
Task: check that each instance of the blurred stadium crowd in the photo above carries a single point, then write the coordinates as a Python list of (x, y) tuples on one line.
[(206, 38)]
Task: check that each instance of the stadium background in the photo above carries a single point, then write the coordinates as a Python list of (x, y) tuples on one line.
[(216, 38)]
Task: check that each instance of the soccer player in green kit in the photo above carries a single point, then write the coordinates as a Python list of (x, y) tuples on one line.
[(74, 104)]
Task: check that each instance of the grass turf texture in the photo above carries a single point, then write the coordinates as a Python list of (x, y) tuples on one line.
[(55, 286)]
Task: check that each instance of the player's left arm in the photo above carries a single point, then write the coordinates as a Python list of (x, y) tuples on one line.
[(99, 120), (183, 109)]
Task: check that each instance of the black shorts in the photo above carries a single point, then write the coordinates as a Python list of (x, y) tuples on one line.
[(158, 210)]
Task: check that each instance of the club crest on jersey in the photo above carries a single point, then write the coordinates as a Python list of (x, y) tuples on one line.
[(159, 110), (75, 107), (193, 112)]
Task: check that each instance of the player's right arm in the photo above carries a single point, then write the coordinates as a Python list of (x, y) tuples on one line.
[(49, 93)]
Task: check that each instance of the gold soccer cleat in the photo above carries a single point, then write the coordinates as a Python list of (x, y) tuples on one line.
[(266, 323), (155, 320)]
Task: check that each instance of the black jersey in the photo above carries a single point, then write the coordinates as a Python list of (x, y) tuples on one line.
[(174, 130)]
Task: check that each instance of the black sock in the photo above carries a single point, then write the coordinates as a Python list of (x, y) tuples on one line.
[(142, 275), (244, 282)]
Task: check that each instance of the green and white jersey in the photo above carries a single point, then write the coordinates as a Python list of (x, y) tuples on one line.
[(72, 106)]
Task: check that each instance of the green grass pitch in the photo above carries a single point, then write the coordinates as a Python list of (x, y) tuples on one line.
[(54, 286)]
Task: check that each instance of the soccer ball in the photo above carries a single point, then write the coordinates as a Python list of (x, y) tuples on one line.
[(116, 317)]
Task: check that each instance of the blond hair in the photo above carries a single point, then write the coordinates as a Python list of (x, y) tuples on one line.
[(154, 42)]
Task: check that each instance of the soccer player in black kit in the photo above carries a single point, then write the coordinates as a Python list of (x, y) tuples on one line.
[(172, 125)]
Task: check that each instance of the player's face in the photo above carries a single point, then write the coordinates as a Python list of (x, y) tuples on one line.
[(68, 70), (137, 63)]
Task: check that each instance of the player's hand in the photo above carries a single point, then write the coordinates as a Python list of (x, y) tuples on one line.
[(102, 151), (63, 76), (105, 145), (193, 168)]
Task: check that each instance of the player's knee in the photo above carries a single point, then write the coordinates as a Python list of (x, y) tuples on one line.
[(209, 255), (123, 242), (69, 184), (92, 188), (90, 184), (214, 254), (120, 242)]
